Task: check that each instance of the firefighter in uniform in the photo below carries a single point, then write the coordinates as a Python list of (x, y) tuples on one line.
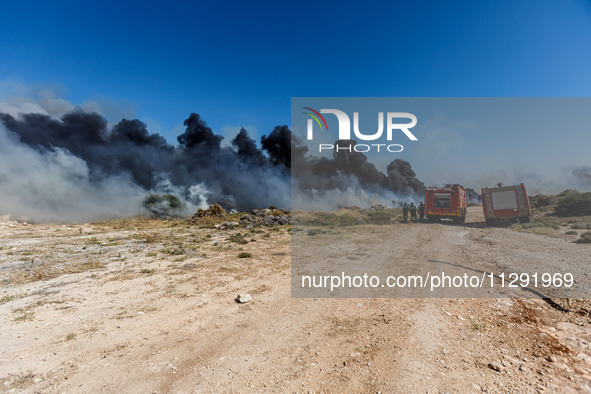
[(413, 211), (421, 211), (405, 212)]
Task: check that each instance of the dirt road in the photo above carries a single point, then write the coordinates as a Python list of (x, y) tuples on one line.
[(130, 308)]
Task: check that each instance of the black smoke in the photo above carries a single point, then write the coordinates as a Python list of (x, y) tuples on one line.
[(351, 171), (402, 178), (86, 160), (241, 173), (278, 145), (198, 134), (246, 149), (127, 148)]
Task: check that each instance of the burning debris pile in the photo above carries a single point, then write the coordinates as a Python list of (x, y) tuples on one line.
[(216, 216), (214, 210), (211, 216), (266, 217)]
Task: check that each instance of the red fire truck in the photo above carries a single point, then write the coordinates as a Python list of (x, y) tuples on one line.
[(505, 203), (447, 202)]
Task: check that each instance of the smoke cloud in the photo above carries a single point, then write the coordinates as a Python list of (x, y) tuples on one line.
[(61, 163), (54, 185), (582, 175), (348, 178), (80, 149)]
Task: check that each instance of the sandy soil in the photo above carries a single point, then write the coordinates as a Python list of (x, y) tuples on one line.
[(148, 306)]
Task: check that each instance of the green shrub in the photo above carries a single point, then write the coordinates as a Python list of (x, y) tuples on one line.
[(574, 204), (541, 201), (244, 255), (571, 233), (173, 251), (541, 223), (585, 238), (238, 238), (568, 192), (531, 225)]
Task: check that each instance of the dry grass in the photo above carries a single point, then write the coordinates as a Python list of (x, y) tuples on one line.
[(109, 251), (581, 225), (122, 275), (23, 314), (17, 382), (11, 297), (347, 217), (139, 222), (545, 222), (148, 235), (83, 266), (343, 326), (45, 271), (39, 272)]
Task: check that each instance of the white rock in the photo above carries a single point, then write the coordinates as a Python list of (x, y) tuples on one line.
[(496, 366), (243, 298)]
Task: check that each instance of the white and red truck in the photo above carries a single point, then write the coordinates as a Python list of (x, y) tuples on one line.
[(506, 203)]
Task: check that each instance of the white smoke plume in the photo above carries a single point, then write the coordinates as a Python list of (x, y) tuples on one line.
[(54, 185)]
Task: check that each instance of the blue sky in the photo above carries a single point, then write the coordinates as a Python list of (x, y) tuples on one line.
[(239, 63)]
